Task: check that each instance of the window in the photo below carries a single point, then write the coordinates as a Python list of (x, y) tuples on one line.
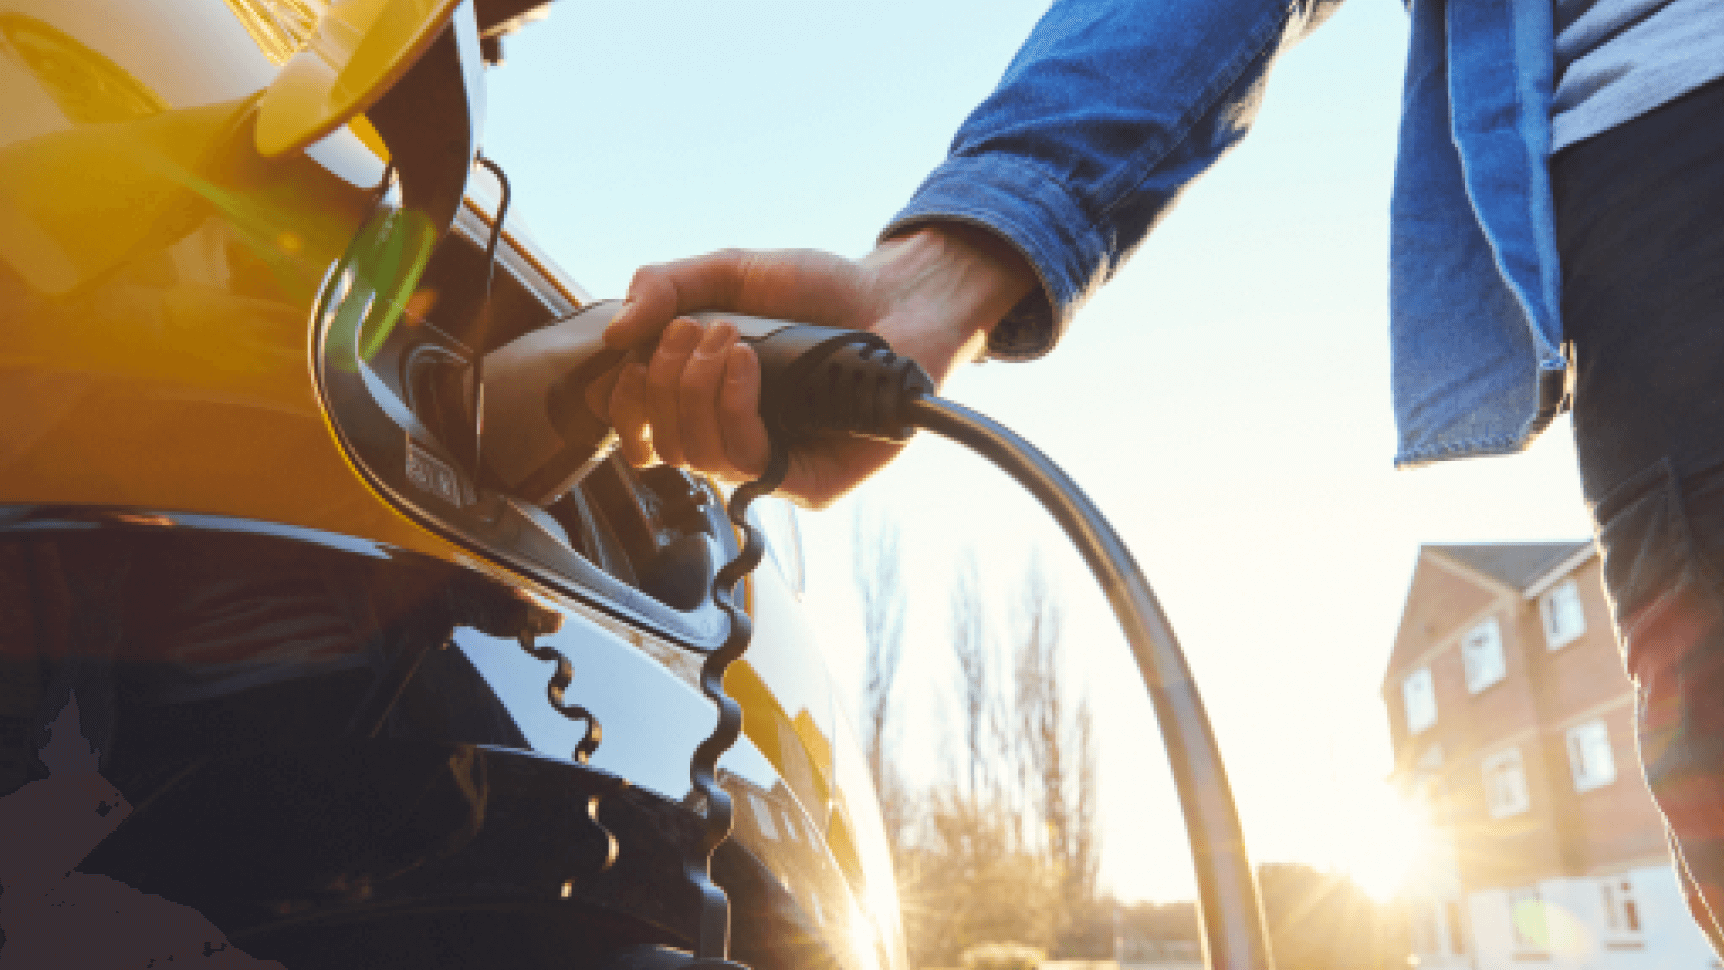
[(1427, 928), (1589, 756), (1437, 928), (1564, 618), (1526, 912), (1505, 784), (1621, 912), (1419, 696), (1457, 929), (1482, 653)]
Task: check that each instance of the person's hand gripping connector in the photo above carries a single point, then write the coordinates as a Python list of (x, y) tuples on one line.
[(545, 393)]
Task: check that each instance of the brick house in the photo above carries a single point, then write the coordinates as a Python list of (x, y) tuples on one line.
[(1513, 723)]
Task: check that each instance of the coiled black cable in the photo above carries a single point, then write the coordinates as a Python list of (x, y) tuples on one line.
[(712, 945), (564, 674)]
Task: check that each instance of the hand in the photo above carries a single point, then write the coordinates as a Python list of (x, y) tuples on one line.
[(933, 294)]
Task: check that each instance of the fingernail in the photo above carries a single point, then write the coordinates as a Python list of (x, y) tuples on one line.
[(682, 336), (716, 338), (612, 338), (739, 364)]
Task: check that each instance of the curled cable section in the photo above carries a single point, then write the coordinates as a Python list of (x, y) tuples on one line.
[(713, 945), (554, 689)]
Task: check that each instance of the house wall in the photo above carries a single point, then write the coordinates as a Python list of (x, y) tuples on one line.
[(1518, 849), (1617, 824), (1567, 841), (1429, 625), (1613, 826), (1470, 728), (1588, 671), (1575, 928)]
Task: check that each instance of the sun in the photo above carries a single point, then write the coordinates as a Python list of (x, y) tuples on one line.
[(1382, 842)]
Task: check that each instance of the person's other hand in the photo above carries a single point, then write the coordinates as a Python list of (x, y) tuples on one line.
[(933, 294)]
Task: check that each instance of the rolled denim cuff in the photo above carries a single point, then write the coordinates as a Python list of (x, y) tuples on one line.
[(1039, 218)]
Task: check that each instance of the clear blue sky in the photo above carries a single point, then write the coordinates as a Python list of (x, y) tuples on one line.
[(1225, 399)]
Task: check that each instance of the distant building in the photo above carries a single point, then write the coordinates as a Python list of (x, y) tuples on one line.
[(1513, 722)]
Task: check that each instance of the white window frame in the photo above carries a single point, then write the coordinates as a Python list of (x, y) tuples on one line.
[(1621, 910), (1419, 700), (1454, 922), (1563, 613), (1591, 760), (1517, 800), (1427, 927), (1482, 655), (1434, 929)]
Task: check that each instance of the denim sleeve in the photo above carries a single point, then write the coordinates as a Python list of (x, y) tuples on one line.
[(1107, 112)]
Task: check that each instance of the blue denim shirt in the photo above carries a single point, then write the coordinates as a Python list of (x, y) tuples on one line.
[(1112, 107)]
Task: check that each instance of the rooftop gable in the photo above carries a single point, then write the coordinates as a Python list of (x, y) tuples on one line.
[(1517, 565), (1442, 596)]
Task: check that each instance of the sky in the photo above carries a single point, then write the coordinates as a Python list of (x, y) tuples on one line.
[(1224, 400)]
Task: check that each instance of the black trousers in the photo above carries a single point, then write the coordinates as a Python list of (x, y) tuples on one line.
[(1640, 221)]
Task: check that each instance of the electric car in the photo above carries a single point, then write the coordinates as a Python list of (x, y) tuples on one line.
[(367, 708)]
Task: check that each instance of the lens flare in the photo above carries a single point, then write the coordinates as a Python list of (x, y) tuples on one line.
[(1384, 844)]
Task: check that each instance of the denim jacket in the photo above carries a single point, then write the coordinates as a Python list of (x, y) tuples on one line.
[(1112, 107)]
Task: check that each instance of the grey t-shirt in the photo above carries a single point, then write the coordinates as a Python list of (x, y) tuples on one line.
[(1618, 59)]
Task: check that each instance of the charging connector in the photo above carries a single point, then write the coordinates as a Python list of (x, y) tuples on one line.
[(818, 381)]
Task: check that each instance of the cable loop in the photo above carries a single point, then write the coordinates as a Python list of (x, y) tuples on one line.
[(554, 691), (713, 945)]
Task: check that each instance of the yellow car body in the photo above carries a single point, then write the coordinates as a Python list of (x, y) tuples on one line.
[(241, 243)]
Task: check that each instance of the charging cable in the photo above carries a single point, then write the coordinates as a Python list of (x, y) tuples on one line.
[(1231, 913), (820, 381)]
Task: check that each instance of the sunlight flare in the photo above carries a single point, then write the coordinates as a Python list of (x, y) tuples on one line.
[(1383, 844)]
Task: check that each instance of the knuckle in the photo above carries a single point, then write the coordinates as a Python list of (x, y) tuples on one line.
[(735, 405), (650, 276), (625, 399), (695, 378), (664, 378)]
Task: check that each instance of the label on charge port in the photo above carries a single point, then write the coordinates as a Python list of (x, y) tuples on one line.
[(432, 474)]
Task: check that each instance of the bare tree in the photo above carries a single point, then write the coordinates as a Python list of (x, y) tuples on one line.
[(1083, 864), (986, 749), (1040, 753), (1055, 753), (1005, 848), (879, 580)]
